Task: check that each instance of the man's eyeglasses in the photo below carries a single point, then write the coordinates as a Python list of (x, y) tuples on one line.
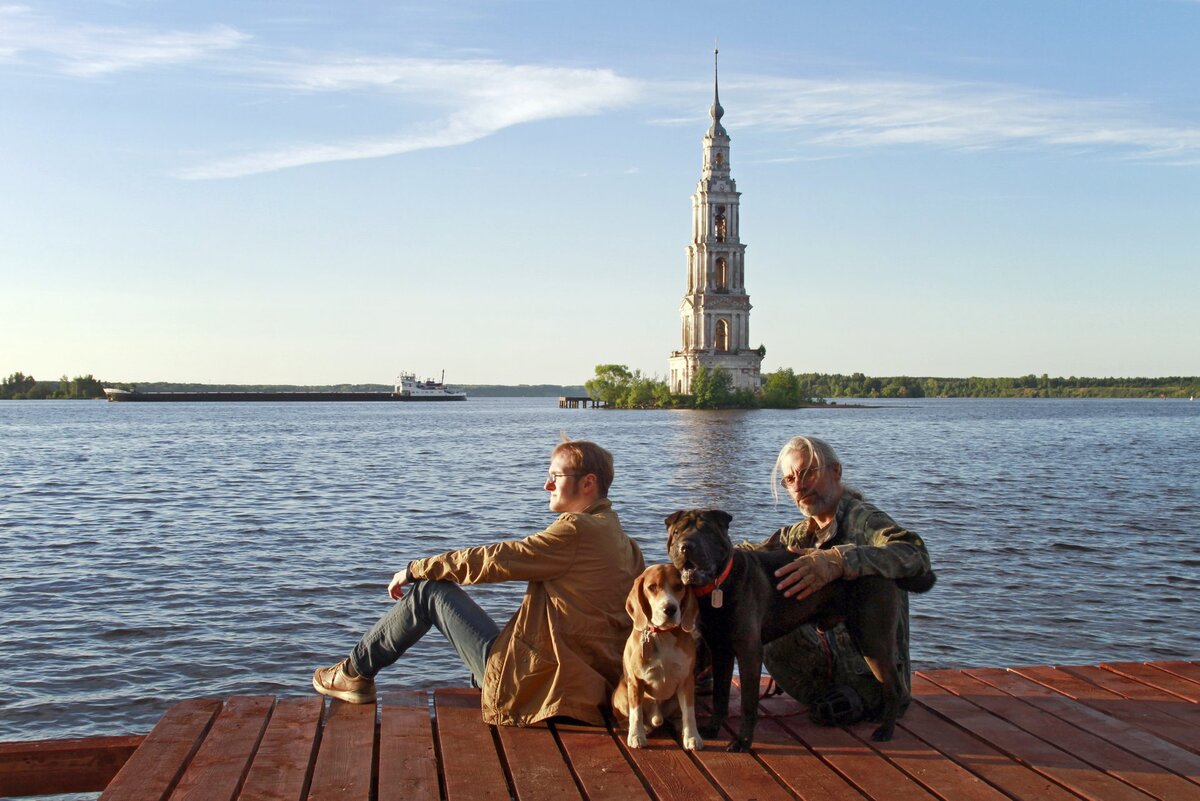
[(552, 477), (803, 477)]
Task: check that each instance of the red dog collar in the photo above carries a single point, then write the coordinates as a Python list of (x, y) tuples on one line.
[(708, 588)]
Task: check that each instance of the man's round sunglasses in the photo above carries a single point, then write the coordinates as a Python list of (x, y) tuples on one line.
[(803, 477), (552, 477)]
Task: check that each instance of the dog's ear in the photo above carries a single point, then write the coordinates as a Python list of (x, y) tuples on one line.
[(689, 610), (636, 604), (671, 520), (721, 515)]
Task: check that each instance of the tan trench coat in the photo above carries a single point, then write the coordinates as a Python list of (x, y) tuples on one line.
[(561, 652)]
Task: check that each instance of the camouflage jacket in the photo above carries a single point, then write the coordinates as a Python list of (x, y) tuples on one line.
[(870, 540)]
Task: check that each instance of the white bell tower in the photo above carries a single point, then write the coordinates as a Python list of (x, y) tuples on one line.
[(716, 308)]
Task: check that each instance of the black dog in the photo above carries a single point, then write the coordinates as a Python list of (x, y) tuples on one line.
[(744, 610)]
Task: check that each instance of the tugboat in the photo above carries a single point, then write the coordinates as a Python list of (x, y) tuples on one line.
[(409, 388)]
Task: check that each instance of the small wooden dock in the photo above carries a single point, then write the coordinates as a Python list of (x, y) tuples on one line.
[(1121, 731), (579, 402)]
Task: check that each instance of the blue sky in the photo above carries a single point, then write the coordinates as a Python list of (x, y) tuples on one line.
[(327, 192)]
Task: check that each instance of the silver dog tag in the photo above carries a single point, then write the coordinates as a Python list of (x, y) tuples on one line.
[(718, 598)]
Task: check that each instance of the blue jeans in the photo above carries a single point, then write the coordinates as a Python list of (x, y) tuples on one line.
[(443, 604)]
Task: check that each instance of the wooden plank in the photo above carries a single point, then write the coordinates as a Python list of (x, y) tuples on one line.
[(1152, 676), (1096, 751), (740, 775), (1136, 691), (1187, 670), (786, 765), (1054, 763), (536, 765), (152, 771), (737, 775), (798, 768), (981, 759), (284, 760), (407, 756), (217, 769), (599, 764), (860, 764), (46, 767), (1132, 737), (1144, 715), (925, 765), (470, 763), (930, 768), (668, 771), (346, 755)]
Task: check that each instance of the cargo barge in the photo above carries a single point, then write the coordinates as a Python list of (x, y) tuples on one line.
[(407, 388)]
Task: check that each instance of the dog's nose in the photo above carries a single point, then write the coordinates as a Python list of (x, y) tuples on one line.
[(671, 610)]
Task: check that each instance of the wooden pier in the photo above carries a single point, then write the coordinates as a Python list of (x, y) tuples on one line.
[(1122, 731), (579, 401)]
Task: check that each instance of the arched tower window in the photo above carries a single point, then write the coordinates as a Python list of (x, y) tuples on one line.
[(722, 335), (722, 273), (720, 224)]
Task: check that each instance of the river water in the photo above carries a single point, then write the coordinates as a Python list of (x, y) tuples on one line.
[(155, 552)]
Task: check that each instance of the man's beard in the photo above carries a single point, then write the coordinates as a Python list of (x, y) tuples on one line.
[(820, 503)]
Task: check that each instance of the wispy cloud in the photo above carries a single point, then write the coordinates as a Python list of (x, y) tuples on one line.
[(871, 113), (89, 50), (455, 101), (471, 99)]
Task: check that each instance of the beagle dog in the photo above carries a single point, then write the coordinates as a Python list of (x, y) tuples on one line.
[(660, 656)]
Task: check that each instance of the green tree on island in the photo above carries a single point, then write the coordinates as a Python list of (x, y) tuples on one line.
[(19, 386), (620, 388), (781, 390), (713, 389), (616, 386)]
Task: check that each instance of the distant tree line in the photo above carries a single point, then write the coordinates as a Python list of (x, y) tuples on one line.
[(19, 386), (857, 385), (621, 388)]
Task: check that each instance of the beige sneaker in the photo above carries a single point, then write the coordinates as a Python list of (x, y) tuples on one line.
[(334, 682)]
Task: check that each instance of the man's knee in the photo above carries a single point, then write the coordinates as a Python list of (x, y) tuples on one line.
[(799, 664), (427, 592)]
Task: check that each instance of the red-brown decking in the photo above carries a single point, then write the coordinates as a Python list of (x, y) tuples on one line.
[(1115, 731)]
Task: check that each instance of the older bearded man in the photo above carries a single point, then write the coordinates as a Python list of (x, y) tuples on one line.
[(841, 537)]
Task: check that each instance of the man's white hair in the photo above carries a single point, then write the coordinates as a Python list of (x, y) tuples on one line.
[(820, 454)]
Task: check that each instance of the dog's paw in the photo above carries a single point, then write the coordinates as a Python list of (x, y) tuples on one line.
[(738, 746), (884, 732), (693, 744), (656, 718), (636, 740)]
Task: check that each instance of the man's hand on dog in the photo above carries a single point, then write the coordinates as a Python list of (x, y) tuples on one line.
[(810, 571)]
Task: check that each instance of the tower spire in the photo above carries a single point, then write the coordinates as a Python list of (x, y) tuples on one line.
[(716, 129)]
